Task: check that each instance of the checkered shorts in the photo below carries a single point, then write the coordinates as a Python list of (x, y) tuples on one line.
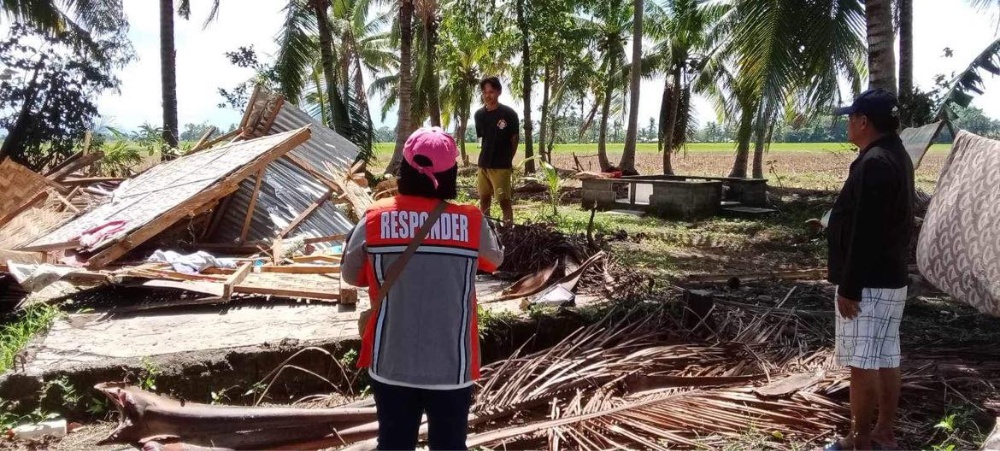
[(871, 340)]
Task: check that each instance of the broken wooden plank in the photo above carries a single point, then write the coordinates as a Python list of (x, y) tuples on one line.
[(789, 385), (215, 141), (319, 176), (348, 294), (317, 258), (89, 180), (287, 292), (301, 269), (79, 163), (275, 109), (235, 279), (223, 187), (204, 139), (72, 244), (69, 160), (253, 204), (305, 214)]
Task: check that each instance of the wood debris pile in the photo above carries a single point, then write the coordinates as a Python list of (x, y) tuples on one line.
[(261, 211)]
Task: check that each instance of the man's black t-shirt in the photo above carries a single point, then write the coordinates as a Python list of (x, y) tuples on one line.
[(496, 128)]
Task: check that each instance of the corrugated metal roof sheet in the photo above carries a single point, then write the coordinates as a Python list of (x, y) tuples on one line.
[(288, 190)]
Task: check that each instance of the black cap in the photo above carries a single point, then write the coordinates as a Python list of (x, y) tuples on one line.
[(876, 103)]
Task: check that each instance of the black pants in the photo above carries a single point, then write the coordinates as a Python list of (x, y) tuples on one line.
[(400, 408)]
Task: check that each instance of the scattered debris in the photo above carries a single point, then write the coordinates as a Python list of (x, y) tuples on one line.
[(189, 223)]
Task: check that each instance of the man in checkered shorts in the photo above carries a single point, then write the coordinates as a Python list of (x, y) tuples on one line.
[(868, 235)]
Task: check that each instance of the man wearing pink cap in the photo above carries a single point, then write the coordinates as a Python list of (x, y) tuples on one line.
[(419, 256), (496, 126)]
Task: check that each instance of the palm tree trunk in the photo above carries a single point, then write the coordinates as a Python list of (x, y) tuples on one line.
[(522, 23), (627, 164), (674, 92), (602, 139), (905, 47), (328, 63), (323, 107), (168, 74), (881, 55), (590, 116), (463, 120), (758, 150), (405, 83), (546, 86), (743, 143), (430, 52)]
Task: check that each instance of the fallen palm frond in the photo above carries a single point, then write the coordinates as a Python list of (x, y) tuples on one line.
[(638, 383)]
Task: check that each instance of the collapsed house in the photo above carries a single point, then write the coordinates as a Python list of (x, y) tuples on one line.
[(259, 210)]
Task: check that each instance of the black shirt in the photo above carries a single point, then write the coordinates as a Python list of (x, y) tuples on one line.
[(872, 221), (496, 128)]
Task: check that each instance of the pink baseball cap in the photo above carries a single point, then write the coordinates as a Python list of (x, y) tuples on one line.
[(434, 144)]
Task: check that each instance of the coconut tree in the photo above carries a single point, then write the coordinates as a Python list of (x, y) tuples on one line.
[(325, 50), (468, 52), (785, 55), (610, 24), (405, 83), (881, 37), (683, 33), (627, 163)]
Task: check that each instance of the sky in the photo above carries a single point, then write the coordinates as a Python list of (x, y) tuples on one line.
[(202, 67)]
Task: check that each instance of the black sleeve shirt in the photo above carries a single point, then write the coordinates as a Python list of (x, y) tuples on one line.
[(496, 129), (872, 221)]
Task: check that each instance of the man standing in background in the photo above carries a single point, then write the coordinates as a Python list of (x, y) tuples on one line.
[(869, 234), (497, 129)]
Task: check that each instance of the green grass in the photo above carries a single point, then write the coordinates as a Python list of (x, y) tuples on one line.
[(385, 149), (16, 333)]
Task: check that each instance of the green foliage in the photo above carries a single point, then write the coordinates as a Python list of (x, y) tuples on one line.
[(20, 328), (548, 176), (48, 94), (490, 321), (147, 375)]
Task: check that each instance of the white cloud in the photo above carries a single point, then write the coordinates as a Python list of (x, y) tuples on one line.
[(202, 67)]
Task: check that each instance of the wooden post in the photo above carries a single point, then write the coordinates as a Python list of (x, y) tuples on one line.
[(235, 279), (250, 208)]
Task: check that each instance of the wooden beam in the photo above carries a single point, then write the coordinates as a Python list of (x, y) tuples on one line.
[(319, 176), (66, 201), (204, 138), (224, 187), (64, 163), (83, 161), (235, 279), (51, 247), (280, 102), (317, 258), (30, 203), (250, 208), (215, 141), (89, 180), (286, 293), (249, 107), (302, 269), (305, 214)]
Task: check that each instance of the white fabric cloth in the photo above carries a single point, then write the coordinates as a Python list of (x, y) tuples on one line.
[(191, 263), (871, 340)]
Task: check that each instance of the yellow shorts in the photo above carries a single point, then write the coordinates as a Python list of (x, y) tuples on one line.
[(495, 183)]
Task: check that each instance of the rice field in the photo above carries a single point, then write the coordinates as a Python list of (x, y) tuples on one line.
[(821, 166)]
